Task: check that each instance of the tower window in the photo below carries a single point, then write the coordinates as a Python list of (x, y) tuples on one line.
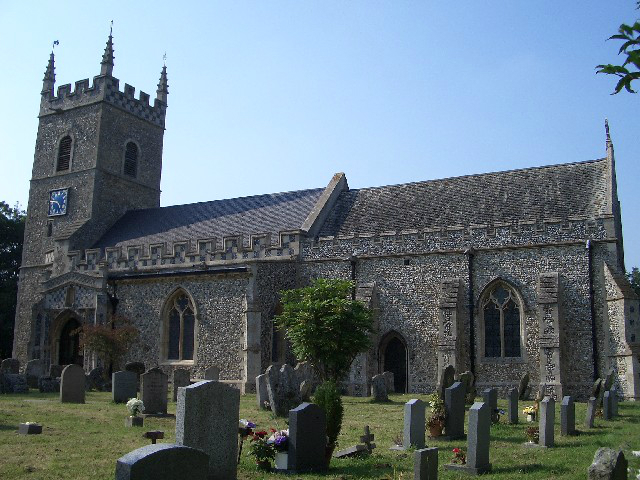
[(64, 154), (131, 160)]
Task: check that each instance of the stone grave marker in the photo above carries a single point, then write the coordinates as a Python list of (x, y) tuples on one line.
[(478, 441), (454, 401), (72, 384), (10, 365), (356, 450), (600, 395), (446, 379), (282, 389), (595, 389), (512, 406), (379, 389), (212, 373), (307, 438), (414, 424), (207, 416), (567, 416), (262, 395), (614, 401), (154, 387), (591, 412), (490, 397), (181, 378), (154, 436), (96, 379), (49, 384), (14, 383), (608, 464), (29, 429), (55, 371), (607, 405), (124, 386), (137, 367), (306, 379), (34, 369), (166, 461), (468, 380), (425, 464), (523, 386), (609, 379), (307, 387), (547, 419), (390, 381)]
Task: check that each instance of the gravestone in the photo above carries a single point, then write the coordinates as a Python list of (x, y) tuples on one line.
[(446, 379), (154, 387), (608, 464), (490, 397), (468, 380), (379, 389), (282, 389), (414, 424), (207, 416), (307, 438), (55, 371), (124, 386), (34, 369), (49, 384), (591, 412), (212, 373), (72, 384), (600, 395), (359, 450), (512, 406), (14, 383), (390, 381), (454, 401), (262, 395), (180, 379), (614, 401), (138, 368), (607, 406), (609, 379), (166, 461), (96, 379), (478, 441), (10, 365), (307, 387), (306, 379), (567, 416), (595, 389), (547, 419), (425, 464), (523, 386)]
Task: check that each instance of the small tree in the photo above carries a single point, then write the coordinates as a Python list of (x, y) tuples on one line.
[(325, 326), (634, 279)]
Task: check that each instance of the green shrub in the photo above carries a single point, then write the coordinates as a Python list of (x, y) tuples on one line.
[(328, 398)]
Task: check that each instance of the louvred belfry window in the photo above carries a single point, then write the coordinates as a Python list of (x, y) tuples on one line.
[(131, 160), (64, 154), (501, 311)]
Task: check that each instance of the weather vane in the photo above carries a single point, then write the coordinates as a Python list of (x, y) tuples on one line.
[(111, 29), (164, 59), (53, 45)]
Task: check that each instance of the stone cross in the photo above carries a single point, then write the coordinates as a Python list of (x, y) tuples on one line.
[(490, 397), (425, 464), (414, 424), (307, 438), (367, 439), (167, 461), (591, 412), (124, 385), (153, 436), (547, 419), (512, 406), (72, 384), (454, 397), (567, 416), (607, 405)]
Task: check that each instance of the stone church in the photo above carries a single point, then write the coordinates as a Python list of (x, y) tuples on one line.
[(501, 274)]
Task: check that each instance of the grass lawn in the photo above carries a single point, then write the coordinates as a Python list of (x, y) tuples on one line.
[(84, 441)]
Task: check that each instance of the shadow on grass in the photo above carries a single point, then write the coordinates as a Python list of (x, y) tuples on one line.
[(530, 468), (8, 427)]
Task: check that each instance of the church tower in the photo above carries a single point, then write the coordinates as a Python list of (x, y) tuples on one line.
[(98, 154)]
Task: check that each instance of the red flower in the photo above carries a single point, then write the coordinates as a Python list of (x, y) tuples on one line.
[(273, 430), (456, 450), (261, 434)]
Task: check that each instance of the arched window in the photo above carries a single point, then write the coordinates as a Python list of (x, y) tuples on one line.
[(502, 321), (131, 159), (179, 327), (64, 154)]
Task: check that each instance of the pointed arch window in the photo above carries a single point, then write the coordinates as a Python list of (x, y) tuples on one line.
[(501, 311), (64, 154), (179, 328), (131, 160)]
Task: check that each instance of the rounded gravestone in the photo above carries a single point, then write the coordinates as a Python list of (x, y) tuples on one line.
[(72, 384)]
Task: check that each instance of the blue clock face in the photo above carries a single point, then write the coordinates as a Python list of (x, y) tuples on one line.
[(58, 202)]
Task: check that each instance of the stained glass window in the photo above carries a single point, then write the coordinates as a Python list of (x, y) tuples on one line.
[(501, 323), (181, 328)]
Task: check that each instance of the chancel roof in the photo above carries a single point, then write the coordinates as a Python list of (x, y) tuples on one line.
[(558, 192)]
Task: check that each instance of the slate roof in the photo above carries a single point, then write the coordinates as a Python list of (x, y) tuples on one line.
[(558, 191), (270, 213)]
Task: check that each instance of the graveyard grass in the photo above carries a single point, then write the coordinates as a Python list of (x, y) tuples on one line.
[(82, 441)]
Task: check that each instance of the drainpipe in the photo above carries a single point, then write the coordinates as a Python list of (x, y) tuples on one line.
[(592, 306), (472, 329)]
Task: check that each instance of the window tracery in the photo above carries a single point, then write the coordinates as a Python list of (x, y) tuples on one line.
[(502, 321)]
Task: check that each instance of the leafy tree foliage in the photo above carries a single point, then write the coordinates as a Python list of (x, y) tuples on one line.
[(327, 396), (11, 237), (325, 326), (634, 279), (630, 69)]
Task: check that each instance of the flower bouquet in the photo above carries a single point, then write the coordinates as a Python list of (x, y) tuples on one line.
[(135, 407), (530, 412), (459, 456), (280, 441), (533, 434), (262, 450), (438, 415)]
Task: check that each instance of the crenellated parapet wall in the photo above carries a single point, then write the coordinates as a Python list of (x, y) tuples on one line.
[(457, 237), (105, 88)]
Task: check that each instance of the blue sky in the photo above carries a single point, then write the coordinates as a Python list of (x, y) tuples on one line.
[(275, 96)]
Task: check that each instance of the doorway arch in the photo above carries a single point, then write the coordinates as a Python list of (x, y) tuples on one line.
[(393, 355), (69, 343)]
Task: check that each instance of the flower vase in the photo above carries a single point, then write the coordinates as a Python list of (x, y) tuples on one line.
[(282, 460), (531, 417), (132, 421), (435, 430), (264, 465)]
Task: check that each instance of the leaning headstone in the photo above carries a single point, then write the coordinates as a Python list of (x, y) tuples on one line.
[(390, 380), (34, 369), (307, 387), (379, 389), (609, 379), (55, 371), (454, 406), (512, 406), (305, 373), (468, 380), (10, 365), (591, 412), (478, 440), (547, 419), (212, 373), (607, 406), (124, 386), (167, 461), (262, 395), (595, 389), (414, 424), (307, 438), (72, 384), (207, 416), (282, 389), (154, 387), (522, 387), (181, 378), (49, 384), (446, 379), (425, 464), (490, 397), (567, 416), (608, 464)]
